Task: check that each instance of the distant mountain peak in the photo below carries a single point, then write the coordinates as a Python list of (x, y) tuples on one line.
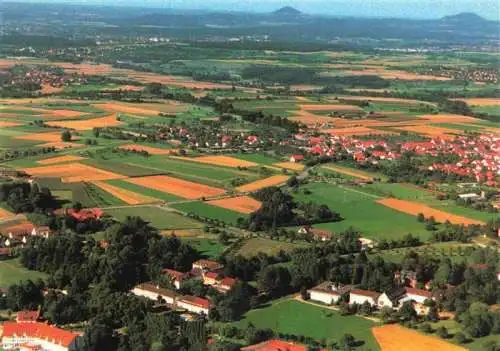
[(288, 11), (465, 17)]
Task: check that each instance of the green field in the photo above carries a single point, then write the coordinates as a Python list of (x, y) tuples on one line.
[(12, 272), (122, 166), (210, 248), (361, 212), (143, 190), (253, 246), (208, 211), (159, 218), (257, 158), (299, 318)]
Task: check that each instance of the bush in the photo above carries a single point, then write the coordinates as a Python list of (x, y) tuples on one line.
[(442, 332), (426, 328), (460, 338)]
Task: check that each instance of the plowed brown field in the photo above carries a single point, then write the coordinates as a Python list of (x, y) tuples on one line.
[(72, 173), (127, 196), (394, 337), (47, 137), (241, 204), (4, 214), (263, 183), (351, 172), (431, 131), (178, 187), (415, 208), (60, 159), (8, 124)]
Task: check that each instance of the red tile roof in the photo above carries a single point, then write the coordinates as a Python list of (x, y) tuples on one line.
[(211, 275), (40, 331), (176, 275), (419, 292), (228, 282), (276, 345), (196, 301), (367, 293)]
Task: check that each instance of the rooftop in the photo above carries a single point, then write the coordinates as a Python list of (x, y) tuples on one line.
[(40, 331)]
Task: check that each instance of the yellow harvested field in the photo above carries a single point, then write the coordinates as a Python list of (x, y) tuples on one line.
[(263, 183), (4, 214), (351, 172), (72, 173), (482, 101), (431, 131), (60, 159), (385, 99), (182, 232), (8, 124), (88, 124), (394, 337), (143, 109), (393, 74), (241, 204), (225, 161), (127, 196), (178, 187), (414, 208), (289, 165), (356, 131), (46, 137), (449, 118), (148, 149)]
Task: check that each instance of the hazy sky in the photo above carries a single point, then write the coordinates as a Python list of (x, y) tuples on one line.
[(371, 8)]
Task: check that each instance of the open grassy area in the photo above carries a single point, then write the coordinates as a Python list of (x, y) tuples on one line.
[(361, 212), (159, 218), (205, 210), (295, 317), (12, 272), (143, 190), (253, 246), (257, 158), (208, 247)]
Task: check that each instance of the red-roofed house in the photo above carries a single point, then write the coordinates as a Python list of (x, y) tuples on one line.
[(361, 296), (47, 337), (82, 215), (201, 266), (194, 304), (296, 158), (153, 291), (276, 345), (226, 284), (211, 278), (5, 253), (27, 316)]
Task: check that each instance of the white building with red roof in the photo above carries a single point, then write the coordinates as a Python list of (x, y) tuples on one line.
[(194, 304), (35, 335)]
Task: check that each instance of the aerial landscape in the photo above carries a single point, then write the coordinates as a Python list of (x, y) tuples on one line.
[(188, 178)]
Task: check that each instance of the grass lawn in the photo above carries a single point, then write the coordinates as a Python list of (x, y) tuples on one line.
[(253, 246), (208, 211), (295, 317), (360, 211), (210, 248), (257, 158), (143, 190), (12, 272), (159, 218)]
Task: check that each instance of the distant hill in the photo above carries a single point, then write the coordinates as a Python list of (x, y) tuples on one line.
[(464, 18), (287, 11)]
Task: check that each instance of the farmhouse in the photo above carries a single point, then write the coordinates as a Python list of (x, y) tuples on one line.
[(296, 158), (276, 345), (37, 336), (226, 284), (418, 295), (328, 292), (210, 278), (194, 304), (81, 215), (360, 296), (202, 266), (317, 234), (391, 299), (5, 253), (176, 277), (153, 292)]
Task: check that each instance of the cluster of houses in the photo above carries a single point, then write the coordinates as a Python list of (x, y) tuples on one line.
[(18, 235), (478, 156), (27, 333), (46, 77), (207, 270)]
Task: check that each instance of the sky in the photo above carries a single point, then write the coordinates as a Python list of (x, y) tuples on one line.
[(364, 8)]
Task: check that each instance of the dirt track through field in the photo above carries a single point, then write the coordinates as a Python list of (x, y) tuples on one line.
[(263, 183), (127, 196), (178, 187), (72, 173), (394, 337), (350, 172), (241, 204), (414, 209)]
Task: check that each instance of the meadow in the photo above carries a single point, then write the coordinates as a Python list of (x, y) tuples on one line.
[(12, 272), (208, 211), (360, 211), (159, 218), (252, 246), (288, 316)]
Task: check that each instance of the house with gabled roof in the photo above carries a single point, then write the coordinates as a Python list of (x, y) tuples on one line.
[(42, 336), (360, 296), (194, 304)]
